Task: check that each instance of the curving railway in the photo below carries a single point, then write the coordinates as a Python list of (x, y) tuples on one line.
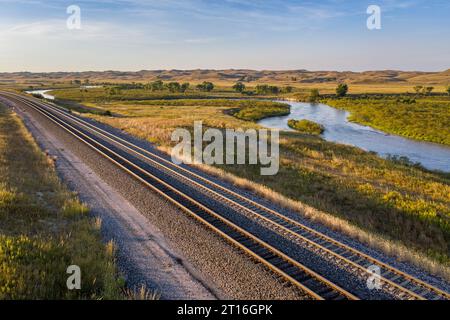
[(269, 237)]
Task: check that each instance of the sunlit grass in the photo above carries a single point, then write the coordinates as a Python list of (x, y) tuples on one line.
[(405, 208), (44, 228), (421, 118)]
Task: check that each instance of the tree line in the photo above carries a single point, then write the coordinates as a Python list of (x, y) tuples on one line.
[(260, 89), (423, 90), (158, 85)]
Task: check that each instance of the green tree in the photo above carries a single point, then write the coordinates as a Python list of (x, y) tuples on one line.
[(314, 95), (157, 85), (274, 89), (288, 89), (428, 90), (263, 89), (341, 90), (173, 87), (184, 87), (418, 89), (448, 90), (209, 86), (239, 87), (206, 86)]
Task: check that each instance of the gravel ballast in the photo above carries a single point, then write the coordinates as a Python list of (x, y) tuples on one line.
[(345, 278), (219, 270)]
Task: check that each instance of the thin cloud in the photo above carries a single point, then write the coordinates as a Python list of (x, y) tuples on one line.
[(129, 34)]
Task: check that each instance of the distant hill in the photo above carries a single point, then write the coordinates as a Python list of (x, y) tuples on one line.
[(231, 75)]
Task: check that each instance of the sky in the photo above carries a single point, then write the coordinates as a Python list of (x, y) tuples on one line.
[(131, 35)]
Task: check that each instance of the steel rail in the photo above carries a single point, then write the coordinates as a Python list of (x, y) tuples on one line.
[(397, 273), (280, 268)]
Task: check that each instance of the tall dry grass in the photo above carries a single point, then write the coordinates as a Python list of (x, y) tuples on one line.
[(392, 248), (44, 228), (399, 209)]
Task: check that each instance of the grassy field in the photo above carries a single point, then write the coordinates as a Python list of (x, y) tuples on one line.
[(404, 207), (157, 122), (44, 228), (128, 114), (103, 94), (422, 118)]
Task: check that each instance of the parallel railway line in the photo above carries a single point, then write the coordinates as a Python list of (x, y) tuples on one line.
[(394, 281)]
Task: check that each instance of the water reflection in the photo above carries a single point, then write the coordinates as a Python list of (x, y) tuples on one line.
[(339, 129)]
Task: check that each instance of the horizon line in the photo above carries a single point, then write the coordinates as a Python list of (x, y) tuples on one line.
[(227, 69)]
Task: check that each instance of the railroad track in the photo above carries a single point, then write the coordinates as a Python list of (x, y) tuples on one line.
[(394, 281), (287, 268)]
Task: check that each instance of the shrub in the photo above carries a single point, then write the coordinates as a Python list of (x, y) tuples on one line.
[(341, 90), (314, 95), (306, 126), (257, 110)]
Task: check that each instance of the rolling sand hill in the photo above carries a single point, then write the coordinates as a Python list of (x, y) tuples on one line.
[(231, 75)]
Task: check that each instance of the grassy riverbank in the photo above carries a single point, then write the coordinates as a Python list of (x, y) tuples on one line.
[(405, 208), (425, 118), (306, 126), (44, 228)]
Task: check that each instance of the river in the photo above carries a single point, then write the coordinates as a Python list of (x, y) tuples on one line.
[(43, 93), (338, 129)]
